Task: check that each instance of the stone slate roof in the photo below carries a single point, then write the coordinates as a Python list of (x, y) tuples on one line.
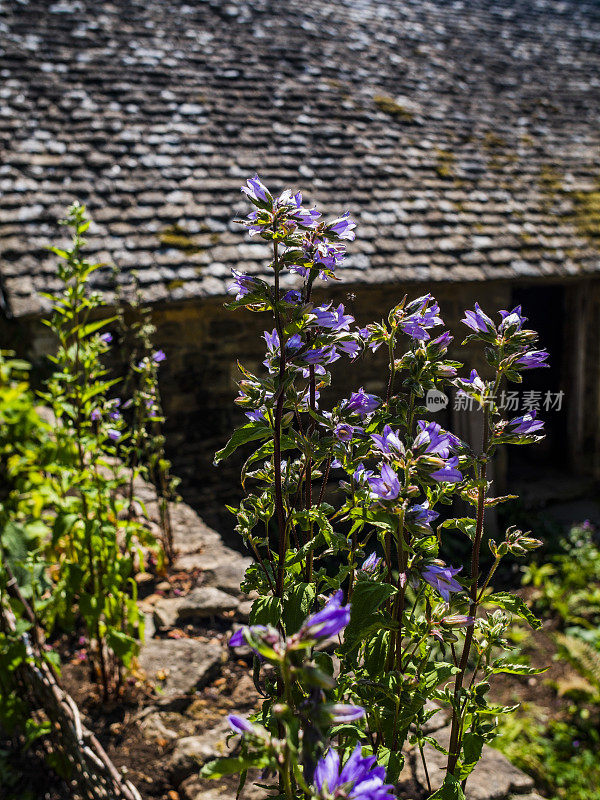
[(463, 134)]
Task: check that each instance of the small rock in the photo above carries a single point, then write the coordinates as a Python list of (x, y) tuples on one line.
[(167, 726), (149, 626), (494, 778), (143, 577), (187, 665), (191, 752), (244, 694), (206, 601), (243, 611), (166, 611)]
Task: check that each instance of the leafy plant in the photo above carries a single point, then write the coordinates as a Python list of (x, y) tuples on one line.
[(144, 450), (94, 551), (416, 631)]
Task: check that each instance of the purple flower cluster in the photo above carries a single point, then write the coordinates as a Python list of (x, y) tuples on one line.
[(359, 778), (315, 244), (510, 328), (419, 316), (432, 440)]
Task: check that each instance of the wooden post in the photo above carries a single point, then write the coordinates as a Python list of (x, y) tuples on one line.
[(578, 310)]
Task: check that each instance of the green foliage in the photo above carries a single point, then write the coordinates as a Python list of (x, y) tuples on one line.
[(144, 449), (561, 751), (66, 528), (556, 753)]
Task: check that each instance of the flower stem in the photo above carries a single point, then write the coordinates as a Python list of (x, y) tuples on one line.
[(454, 746)]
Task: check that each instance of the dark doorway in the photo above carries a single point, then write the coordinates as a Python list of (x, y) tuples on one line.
[(545, 308)]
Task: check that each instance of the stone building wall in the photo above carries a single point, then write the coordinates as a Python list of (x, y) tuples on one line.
[(204, 341)]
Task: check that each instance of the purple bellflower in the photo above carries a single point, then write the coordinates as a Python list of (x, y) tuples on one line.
[(159, 356), (239, 724), (256, 416), (533, 359), (388, 442), (478, 321), (257, 191), (512, 320), (293, 297), (370, 564), (341, 712), (385, 486), (526, 425), (332, 619), (442, 579), (449, 473), (113, 434), (343, 227), (344, 432), (334, 319), (440, 345), (242, 285), (359, 779), (349, 346), (320, 355), (421, 516), (433, 439), (421, 314), (106, 338), (362, 475), (362, 403)]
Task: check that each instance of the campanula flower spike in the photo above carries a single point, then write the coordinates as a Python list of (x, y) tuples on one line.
[(376, 538)]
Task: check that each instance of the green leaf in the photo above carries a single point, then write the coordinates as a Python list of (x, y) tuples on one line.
[(376, 650), (464, 524), (393, 763), (367, 597), (243, 435), (472, 748), (449, 790), (92, 327), (266, 611), (63, 524), (233, 766), (514, 604), (297, 606), (515, 669)]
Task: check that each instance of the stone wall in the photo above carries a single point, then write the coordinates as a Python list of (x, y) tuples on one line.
[(203, 342)]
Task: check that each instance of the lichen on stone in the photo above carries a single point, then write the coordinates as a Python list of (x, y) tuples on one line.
[(178, 238), (389, 106)]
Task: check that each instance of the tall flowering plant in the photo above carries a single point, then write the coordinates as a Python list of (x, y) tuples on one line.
[(94, 553), (419, 628)]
